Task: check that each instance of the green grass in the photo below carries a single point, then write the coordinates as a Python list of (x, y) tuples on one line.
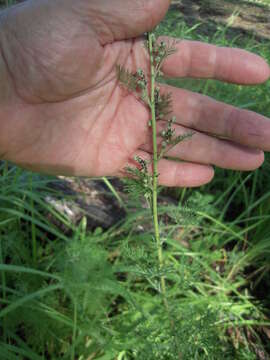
[(94, 295)]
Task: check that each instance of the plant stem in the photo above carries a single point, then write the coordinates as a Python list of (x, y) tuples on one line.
[(4, 294), (155, 165), (155, 187), (75, 318), (33, 226)]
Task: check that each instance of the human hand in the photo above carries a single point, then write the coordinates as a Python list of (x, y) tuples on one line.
[(62, 110)]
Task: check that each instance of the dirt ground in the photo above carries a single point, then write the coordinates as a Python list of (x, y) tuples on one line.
[(239, 16)]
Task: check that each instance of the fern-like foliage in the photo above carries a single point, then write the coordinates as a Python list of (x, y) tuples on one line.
[(140, 181), (163, 104), (126, 78)]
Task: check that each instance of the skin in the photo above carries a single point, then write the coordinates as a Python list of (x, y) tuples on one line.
[(62, 110)]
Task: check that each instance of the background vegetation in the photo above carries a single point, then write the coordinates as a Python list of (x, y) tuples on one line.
[(84, 294)]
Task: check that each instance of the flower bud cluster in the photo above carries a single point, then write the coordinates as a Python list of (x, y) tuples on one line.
[(168, 134), (160, 54), (141, 80), (160, 50), (142, 163), (142, 181), (162, 104), (158, 98)]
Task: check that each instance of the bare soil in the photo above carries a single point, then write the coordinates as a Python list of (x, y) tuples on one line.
[(239, 16)]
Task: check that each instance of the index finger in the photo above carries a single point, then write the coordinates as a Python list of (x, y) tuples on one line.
[(200, 60)]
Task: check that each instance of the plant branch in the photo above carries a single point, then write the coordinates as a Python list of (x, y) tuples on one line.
[(155, 164)]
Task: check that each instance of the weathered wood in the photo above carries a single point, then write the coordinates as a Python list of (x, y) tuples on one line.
[(86, 197)]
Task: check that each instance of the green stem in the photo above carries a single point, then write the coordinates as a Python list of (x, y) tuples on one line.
[(33, 226), (156, 159), (75, 318), (5, 172), (155, 166), (4, 294), (114, 192)]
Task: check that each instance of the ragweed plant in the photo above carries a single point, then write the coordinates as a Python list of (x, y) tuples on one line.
[(145, 175)]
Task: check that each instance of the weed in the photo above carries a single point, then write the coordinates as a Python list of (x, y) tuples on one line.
[(98, 295)]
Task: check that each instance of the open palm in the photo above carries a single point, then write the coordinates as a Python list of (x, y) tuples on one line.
[(67, 114)]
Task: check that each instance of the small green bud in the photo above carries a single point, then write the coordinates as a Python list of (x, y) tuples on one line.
[(153, 37), (141, 84), (140, 74), (162, 53)]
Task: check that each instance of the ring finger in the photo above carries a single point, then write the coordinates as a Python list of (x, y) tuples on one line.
[(204, 149)]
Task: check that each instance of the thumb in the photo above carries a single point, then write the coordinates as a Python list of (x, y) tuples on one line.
[(123, 19)]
